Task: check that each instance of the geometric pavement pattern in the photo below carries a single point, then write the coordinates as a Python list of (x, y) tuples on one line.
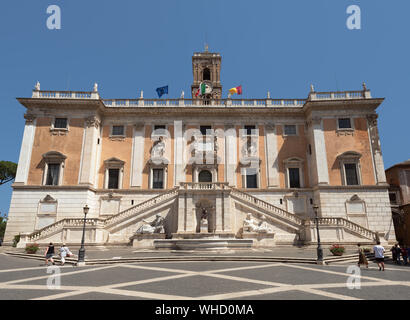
[(201, 281)]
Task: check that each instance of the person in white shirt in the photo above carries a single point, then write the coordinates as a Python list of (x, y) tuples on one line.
[(379, 255), (64, 252)]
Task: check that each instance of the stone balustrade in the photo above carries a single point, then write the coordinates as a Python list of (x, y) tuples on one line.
[(204, 185), (140, 207), (229, 103), (342, 222), (266, 206)]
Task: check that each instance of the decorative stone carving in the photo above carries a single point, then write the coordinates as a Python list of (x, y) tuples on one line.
[(95, 89), (312, 88), (156, 226), (158, 149), (250, 225), (270, 126), (37, 86), (250, 148), (29, 118), (92, 122), (374, 132)]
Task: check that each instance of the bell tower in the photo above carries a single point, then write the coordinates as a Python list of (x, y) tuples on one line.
[(206, 68)]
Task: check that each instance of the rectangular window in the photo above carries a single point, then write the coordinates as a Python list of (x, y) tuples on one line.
[(294, 178), (351, 174), (250, 130), (205, 130), (290, 130), (53, 173), (344, 123), (117, 130), (113, 178), (393, 197), (158, 178), (251, 178), (60, 123)]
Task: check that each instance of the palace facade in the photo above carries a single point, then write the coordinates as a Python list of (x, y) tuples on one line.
[(129, 160)]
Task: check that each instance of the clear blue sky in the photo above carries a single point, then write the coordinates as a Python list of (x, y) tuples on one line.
[(280, 46)]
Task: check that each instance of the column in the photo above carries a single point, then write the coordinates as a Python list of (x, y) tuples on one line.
[(320, 151), (380, 175), (137, 162), (218, 212), (25, 150), (179, 151), (230, 155), (272, 156), (89, 152)]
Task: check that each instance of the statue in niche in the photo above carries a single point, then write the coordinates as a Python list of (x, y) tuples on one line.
[(250, 225), (156, 226), (203, 226), (158, 149), (250, 149)]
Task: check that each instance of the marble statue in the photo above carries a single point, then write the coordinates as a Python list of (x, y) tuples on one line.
[(250, 225), (182, 94), (156, 226), (95, 87), (158, 149), (37, 87), (312, 89)]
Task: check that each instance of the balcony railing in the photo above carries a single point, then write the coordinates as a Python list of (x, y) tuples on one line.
[(218, 103)]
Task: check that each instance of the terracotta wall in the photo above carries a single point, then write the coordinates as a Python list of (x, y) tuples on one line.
[(70, 145), (121, 150), (358, 142), (292, 146)]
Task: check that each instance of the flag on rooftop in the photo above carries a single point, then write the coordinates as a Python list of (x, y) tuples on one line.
[(237, 90), (162, 90)]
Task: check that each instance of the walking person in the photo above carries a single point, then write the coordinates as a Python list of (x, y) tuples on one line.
[(398, 253), (379, 255), (362, 257), (394, 253), (404, 254), (64, 252), (49, 253)]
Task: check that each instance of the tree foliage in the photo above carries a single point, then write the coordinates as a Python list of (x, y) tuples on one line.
[(7, 171), (3, 222)]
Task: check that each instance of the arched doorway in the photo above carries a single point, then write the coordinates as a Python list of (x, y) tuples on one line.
[(205, 176)]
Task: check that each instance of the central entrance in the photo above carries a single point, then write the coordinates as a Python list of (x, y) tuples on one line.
[(205, 176)]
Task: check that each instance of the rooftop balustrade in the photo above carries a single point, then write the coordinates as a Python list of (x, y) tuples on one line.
[(218, 103)]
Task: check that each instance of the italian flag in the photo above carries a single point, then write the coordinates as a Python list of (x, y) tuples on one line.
[(201, 90)]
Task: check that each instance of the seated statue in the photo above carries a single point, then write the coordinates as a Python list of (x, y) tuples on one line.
[(156, 226), (250, 225)]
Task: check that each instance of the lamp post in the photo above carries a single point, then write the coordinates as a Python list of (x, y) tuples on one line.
[(319, 247), (81, 252)]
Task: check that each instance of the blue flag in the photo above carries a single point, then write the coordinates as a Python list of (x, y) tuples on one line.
[(162, 90)]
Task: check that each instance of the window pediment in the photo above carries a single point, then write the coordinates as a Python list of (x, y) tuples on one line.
[(114, 163), (54, 156), (350, 155)]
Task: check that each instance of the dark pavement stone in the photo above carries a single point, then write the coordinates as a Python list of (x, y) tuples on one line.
[(288, 295), (26, 294), (202, 265), (103, 277), (195, 286), (374, 292), (100, 296), (287, 275)]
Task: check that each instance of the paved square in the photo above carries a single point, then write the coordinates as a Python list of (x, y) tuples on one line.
[(210, 280)]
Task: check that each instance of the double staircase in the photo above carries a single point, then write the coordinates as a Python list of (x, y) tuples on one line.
[(274, 214)]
